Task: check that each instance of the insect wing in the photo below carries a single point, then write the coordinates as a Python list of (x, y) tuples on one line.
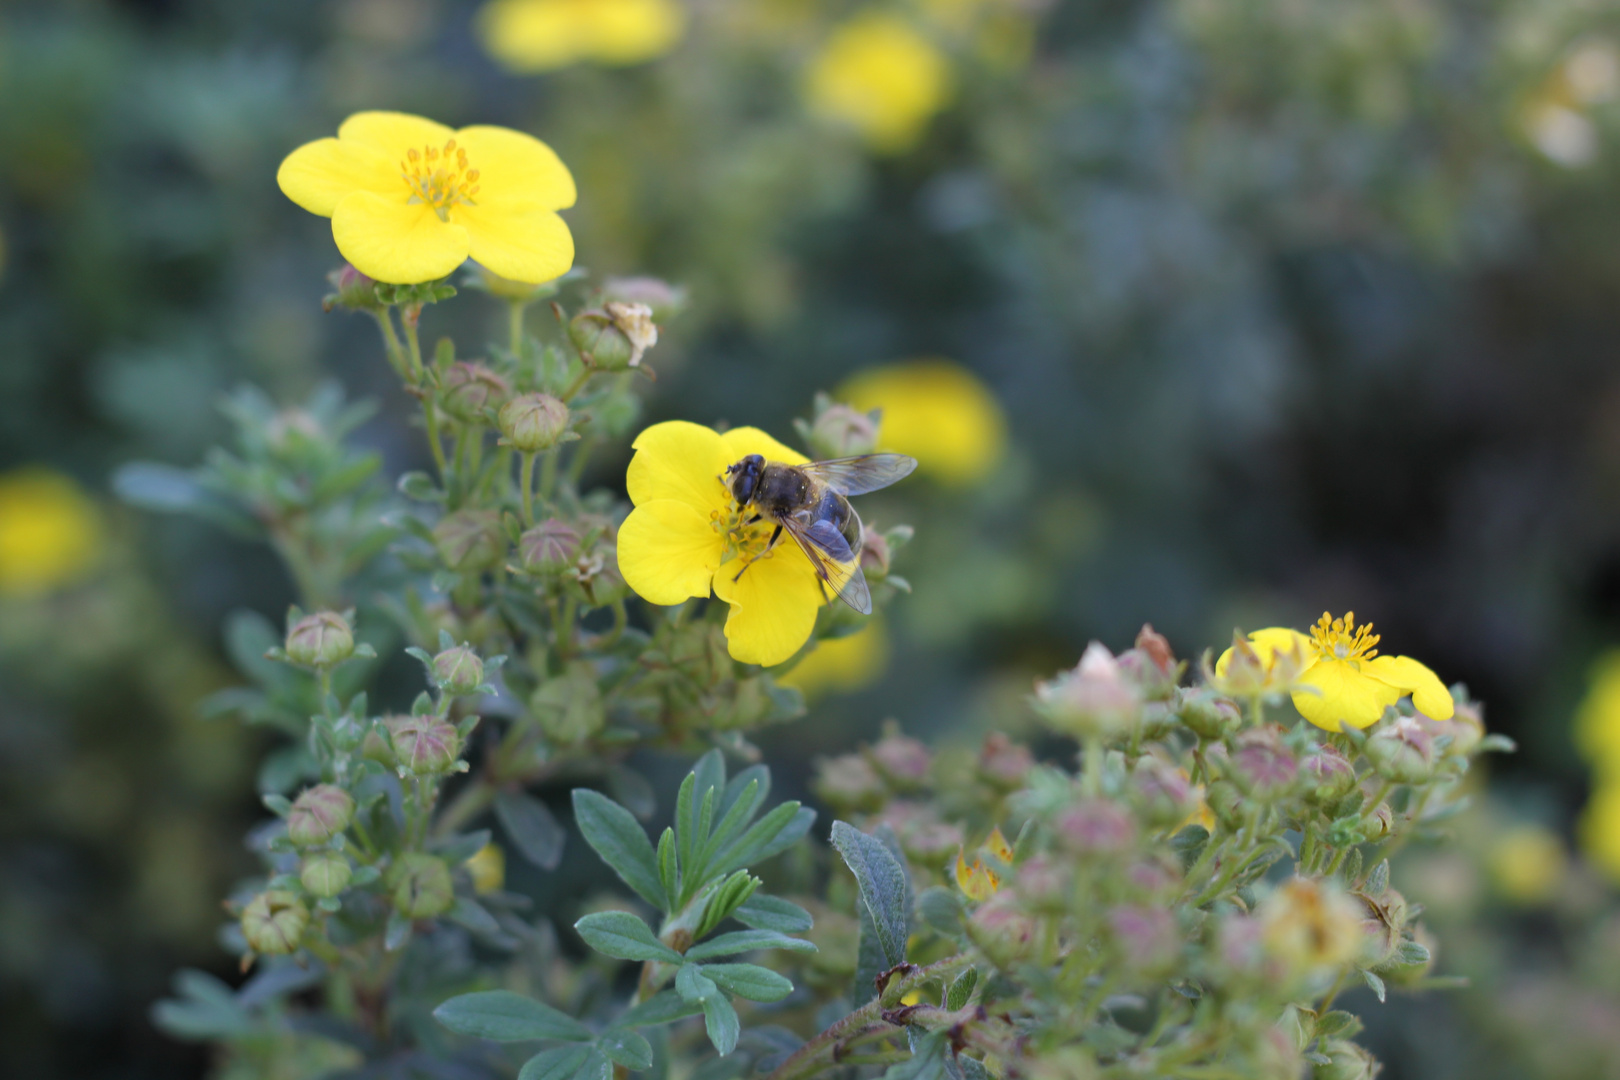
[(838, 567), (858, 475)]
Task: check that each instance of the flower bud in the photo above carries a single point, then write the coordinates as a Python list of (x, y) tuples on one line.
[(1161, 792), (470, 540), (421, 886), (1096, 826), (1093, 700), (901, 760), (319, 814), (549, 547), (1226, 802), (1002, 929), (1003, 762), (320, 640), (600, 341), (1346, 1061), (849, 783), (1329, 776), (424, 745), (1402, 751), (635, 322), (533, 422), (274, 922), (925, 838), (1207, 714), (325, 873), (351, 289), (1043, 883), (1466, 728), (841, 431), (469, 389), (1151, 666), (875, 556), (1147, 939), (458, 671), (663, 299), (1378, 824), (569, 706), (1262, 764)]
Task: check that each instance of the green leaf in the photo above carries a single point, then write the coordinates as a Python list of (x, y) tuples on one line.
[(627, 1048), (883, 887), (507, 1017), (558, 1063), (612, 831), (669, 872), (469, 913), (661, 1008), (747, 941), (869, 959), (721, 1021), (941, 908), (530, 825), (961, 989), (621, 935), (778, 830), (731, 825), (749, 981), (1375, 984), (693, 985), (734, 790), (763, 912)]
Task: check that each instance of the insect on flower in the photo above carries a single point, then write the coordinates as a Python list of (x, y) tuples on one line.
[(810, 503)]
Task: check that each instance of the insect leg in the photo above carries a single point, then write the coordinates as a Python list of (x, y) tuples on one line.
[(775, 536)]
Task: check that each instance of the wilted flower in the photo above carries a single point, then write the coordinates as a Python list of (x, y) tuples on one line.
[(635, 322), (1310, 925), (50, 532), (977, 882), (319, 814), (663, 299), (937, 411)]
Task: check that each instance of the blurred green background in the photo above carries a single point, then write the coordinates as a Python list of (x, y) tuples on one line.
[(1288, 305)]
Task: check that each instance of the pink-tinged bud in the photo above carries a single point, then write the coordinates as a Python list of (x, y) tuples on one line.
[(901, 760), (470, 540), (458, 671), (1148, 939), (1151, 666), (1002, 929), (421, 886), (320, 640), (424, 745), (1003, 762), (1208, 714), (550, 547), (1328, 774), (531, 423), (875, 556), (841, 431), (469, 390), (1097, 827), (1262, 764), (1092, 701), (1402, 751), (1161, 792), (922, 834), (1346, 1061), (663, 299), (1157, 648), (274, 922), (1466, 728), (1153, 877), (325, 873), (849, 782), (319, 814), (351, 289), (1043, 884)]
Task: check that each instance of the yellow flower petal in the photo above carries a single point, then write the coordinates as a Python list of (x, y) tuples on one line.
[(530, 36), (1597, 721), (533, 246), (668, 551), (977, 882), (397, 242), (937, 411), (394, 132), (740, 442), (50, 532), (1267, 644), (1344, 694), (996, 844), (516, 170), (679, 460), (633, 31), (1429, 694), (880, 77), (318, 175), (773, 605)]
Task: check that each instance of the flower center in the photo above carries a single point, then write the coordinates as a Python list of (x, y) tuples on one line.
[(439, 177), (1342, 639), (742, 541)]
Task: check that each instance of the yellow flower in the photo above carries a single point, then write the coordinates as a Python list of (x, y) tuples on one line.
[(1527, 864), (842, 665), (1599, 830), (529, 36), (996, 844), (487, 868), (686, 537), (977, 882), (881, 77), (1597, 720), (936, 411), (50, 532), (410, 200), (1344, 678)]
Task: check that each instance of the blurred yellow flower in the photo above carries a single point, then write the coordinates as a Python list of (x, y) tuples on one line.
[(530, 36), (937, 411), (410, 200), (487, 868), (50, 532), (877, 74), (1597, 719), (1527, 864), (841, 665), (977, 882), (1599, 830), (686, 537), (1000, 32), (1344, 678)]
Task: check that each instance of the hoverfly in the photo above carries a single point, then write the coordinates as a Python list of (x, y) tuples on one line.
[(809, 502)]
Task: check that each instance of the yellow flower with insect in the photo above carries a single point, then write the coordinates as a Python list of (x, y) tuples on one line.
[(937, 411), (531, 36), (50, 532), (410, 199), (841, 665), (1343, 679), (882, 78), (687, 537)]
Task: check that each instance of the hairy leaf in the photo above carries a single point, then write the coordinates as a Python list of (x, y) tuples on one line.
[(507, 1017)]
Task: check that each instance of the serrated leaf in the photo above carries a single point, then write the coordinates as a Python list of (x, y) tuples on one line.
[(503, 1016), (614, 834), (720, 1020), (883, 887), (558, 1063), (747, 941), (627, 1048), (661, 1008), (763, 912), (749, 981), (530, 826), (621, 935)]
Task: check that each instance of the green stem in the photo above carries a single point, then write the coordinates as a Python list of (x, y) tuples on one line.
[(548, 475), (391, 345), (1093, 765), (471, 801), (526, 487), (577, 385)]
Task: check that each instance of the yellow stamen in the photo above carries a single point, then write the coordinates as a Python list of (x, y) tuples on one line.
[(1342, 639), (439, 177)]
